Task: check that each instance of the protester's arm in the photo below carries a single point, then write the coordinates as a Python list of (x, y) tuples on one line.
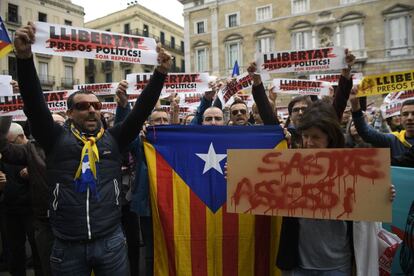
[(259, 95), (122, 106), (367, 133), (344, 87), (174, 113), (126, 131), (205, 103), (43, 128)]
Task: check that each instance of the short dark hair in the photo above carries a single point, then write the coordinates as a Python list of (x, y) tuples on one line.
[(238, 101), (69, 101), (302, 98), (322, 116), (407, 102)]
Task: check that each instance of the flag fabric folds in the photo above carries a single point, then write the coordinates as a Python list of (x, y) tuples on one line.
[(193, 233), (5, 42), (236, 70)]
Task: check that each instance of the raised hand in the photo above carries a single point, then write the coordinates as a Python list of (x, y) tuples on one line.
[(164, 60), (257, 80), (121, 96), (23, 40)]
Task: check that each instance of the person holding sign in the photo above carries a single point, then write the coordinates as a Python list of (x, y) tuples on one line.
[(323, 246), (399, 142), (84, 167)]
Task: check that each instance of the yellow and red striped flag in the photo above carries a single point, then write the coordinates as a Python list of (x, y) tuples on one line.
[(193, 233), (6, 45)]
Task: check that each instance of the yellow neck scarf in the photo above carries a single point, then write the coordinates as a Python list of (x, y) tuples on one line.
[(401, 136), (89, 148)]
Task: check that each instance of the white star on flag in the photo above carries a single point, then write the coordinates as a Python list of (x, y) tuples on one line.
[(212, 159)]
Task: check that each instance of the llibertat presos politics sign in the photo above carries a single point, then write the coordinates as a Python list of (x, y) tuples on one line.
[(301, 87), (323, 59), (62, 40)]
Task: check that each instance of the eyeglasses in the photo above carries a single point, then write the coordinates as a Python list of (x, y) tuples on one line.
[(87, 105), (237, 111), (297, 109)]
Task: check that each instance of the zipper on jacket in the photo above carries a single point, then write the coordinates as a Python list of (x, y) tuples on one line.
[(87, 214), (55, 195), (116, 188)]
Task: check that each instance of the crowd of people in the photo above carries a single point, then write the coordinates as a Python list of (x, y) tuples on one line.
[(77, 185)]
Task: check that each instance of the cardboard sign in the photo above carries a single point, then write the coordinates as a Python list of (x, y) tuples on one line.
[(180, 83), (13, 105), (5, 88), (386, 83), (62, 40), (302, 87), (98, 89), (323, 59), (338, 184), (333, 79)]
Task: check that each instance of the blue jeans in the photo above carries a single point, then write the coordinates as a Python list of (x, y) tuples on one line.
[(106, 256)]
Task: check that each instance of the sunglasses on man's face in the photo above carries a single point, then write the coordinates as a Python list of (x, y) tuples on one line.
[(86, 105), (237, 111)]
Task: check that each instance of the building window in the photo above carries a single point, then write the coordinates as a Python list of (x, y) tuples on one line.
[(13, 13), (172, 42), (302, 40), (264, 13), (182, 65), (201, 60), (265, 44), (107, 30), (91, 79), (42, 17), (174, 63), (43, 72), (352, 38), (127, 29), (232, 20), (12, 34), (13, 67), (68, 23), (68, 80), (108, 77), (145, 31), (233, 54), (344, 2), (200, 27), (162, 38), (300, 6), (127, 72), (398, 38), (182, 46)]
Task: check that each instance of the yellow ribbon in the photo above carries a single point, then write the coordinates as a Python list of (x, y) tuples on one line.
[(401, 136), (90, 148)]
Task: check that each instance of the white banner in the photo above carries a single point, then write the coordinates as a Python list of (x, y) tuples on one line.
[(13, 105), (302, 87), (180, 83), (323, 59), (393, 102), (333, 79), (243, 81), (62, 40), (5, 87), (98, 89)]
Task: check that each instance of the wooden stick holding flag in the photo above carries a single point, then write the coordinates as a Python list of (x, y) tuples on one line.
[(5, 42)]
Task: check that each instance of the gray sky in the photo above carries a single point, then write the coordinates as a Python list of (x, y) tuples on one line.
[(171, 9)]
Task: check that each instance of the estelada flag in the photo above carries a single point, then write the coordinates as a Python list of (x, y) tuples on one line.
[(5, 42), (193, 233)]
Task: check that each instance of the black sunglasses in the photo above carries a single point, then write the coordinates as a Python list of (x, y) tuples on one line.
[(236, 111), (87, 105)]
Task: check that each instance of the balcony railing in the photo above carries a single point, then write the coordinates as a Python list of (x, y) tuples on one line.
[(69, 82), (47, 80), (13, 19), (165, 43)]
